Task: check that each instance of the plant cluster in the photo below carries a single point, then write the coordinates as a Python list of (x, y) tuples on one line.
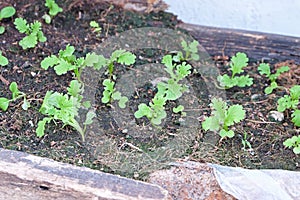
[(168, 90), (264, 69), (65, 107), (16, 94), (190, 52), (6, 12), (238, 62), (33, 33), (222, 117), (54, 9)]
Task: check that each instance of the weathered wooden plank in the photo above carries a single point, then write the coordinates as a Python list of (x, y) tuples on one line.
[(218, 41), (25, 176)]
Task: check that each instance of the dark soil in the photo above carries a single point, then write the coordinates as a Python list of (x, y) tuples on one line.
[(17, 127)]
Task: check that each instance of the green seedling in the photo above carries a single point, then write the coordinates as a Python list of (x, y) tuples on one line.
[(245, 142), (291, 102), (6, 12), (66, 61), (16, 94), (3, 60), (191, 52), (222, 117), (238, 62), (110, 94), (96, 27), (264, 69), (54, 9), (118, 56), (293, 142), (33, 31), (169, 90), (65, 108)]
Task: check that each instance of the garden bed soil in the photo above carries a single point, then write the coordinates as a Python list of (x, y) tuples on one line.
[(17, 127)]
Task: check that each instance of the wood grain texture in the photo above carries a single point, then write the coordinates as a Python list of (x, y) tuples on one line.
[(258, 46)]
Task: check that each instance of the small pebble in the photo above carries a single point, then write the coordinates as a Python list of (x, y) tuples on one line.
[(255, 97), (125, 131), (33, 74), (277, 116)]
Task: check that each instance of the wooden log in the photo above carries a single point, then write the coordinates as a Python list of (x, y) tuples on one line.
[(25, 176), (258, 46)]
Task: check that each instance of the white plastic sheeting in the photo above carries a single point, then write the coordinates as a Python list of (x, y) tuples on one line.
[(250, 184)]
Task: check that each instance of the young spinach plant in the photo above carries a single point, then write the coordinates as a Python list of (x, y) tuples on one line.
[(222, 117), (3, 60), (6, 12), (110, 93), (16, 94), (65, 107), (264, 69), (293, 142), (33, 33), (238, 62), (291, 102), (166, 90), (54, 9), (96, 27)]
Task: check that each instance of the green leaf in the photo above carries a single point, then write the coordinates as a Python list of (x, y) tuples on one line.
[(102, 62), (7, 12), (2, 30), (183, 70), (69, 50), (269, 89), (295, 92), (3, 60), (219, 108), (284, 103), (106, 96), (235, 114), (13, 87), (28, 41), (116, 54), (94, 24), (41, 37), (75, 88), (238, 61), (4, 103), (49, 61), (158, 117), (21, 25), (243, 81), (122, 102), (173, 90), (116, 95), (126, 58), (178, 109), (86, 104), (264, 69), (211, 123), (91, 59), (89, 117), (226, 81), (109, 85), (54, 9), (296, 150), (40, 131), (167, 61), (47, 18), (143, 110), (63, 67), (193, 47), (223, 133), (296, 118), (290, 142)]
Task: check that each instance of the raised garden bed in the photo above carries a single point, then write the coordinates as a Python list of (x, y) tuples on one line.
[(119, 142)]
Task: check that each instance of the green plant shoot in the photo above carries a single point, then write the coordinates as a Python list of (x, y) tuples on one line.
[(238, 62), (191, 52), (96, 27), (110, 93), (16, 94), (291, 102), (65, 107), (3, 60), (293, 142), (6, 12), (54, 9), (222, 117), (264, 69), (33, 33)]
